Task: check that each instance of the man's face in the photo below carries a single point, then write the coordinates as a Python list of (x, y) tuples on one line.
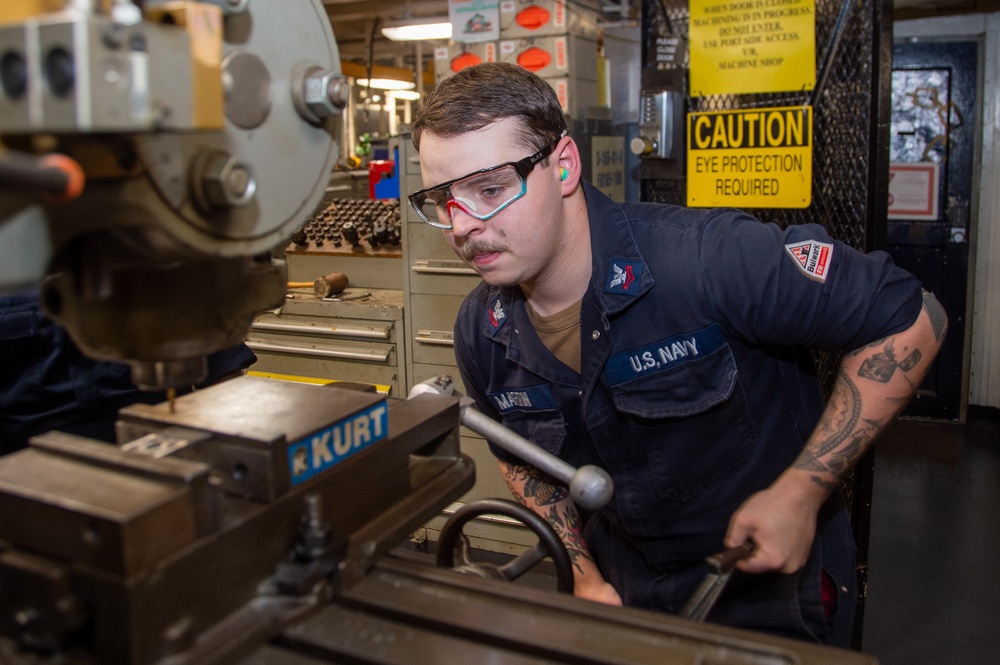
[(518, 244)]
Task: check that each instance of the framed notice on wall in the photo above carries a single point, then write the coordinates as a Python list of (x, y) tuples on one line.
[(913, 191)]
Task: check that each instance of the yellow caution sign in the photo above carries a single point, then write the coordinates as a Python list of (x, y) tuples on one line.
[(754, 158)]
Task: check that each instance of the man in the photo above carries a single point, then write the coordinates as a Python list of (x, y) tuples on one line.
[(671, 347)]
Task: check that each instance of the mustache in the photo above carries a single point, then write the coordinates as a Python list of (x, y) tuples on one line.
[(473, 248)]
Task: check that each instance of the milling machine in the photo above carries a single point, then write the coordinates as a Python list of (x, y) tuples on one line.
[(153, 154), (201, 135)]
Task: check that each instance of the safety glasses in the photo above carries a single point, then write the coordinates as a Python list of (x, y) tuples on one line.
[(481, 194)]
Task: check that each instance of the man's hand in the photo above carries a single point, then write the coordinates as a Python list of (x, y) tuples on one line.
[(781, 521), (873, 385)]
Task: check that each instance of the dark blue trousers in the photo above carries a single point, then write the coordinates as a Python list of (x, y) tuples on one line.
[(787, 605)]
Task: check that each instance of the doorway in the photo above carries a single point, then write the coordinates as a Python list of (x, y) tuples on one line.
[(932, 156)]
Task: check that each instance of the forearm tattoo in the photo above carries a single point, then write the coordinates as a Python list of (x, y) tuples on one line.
[(547, 499), (569, 527), (544, 491), (843, 436)]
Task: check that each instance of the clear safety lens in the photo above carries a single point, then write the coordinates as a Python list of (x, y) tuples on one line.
[(480, 195)]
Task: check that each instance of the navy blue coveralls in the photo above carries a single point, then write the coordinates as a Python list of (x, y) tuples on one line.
[(696, 390)]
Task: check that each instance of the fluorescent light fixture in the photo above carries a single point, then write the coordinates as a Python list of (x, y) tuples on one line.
[(387, 84), (405, 94), (413, 29)]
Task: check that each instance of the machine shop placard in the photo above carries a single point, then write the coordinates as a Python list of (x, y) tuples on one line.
[(751, 158), (749, 46)]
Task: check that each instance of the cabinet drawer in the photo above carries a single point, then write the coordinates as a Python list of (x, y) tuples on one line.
[(312, 349), (384, 355), (424, 241), (326, 329), (308, 363), (434, 267), (447, 276), (433, 324)]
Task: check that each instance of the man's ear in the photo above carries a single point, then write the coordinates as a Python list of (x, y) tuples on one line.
[(567, 156)]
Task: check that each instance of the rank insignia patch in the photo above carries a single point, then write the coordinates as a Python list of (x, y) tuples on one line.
[(497, 316), (623, 277)]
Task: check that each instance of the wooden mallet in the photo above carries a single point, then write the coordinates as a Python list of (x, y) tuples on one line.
[(325, 286)]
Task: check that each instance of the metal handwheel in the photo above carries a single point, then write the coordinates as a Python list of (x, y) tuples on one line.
[(452, 538)]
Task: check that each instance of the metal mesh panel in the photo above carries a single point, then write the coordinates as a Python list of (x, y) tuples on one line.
[(843, 121), (845, 128)]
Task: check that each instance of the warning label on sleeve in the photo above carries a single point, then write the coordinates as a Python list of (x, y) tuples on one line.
[(754, 158)]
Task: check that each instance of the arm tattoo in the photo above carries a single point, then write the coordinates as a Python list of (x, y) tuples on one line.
[(568, 526), (543, 491), (910, 361), (843, 425), (881, 366), (563, 517)]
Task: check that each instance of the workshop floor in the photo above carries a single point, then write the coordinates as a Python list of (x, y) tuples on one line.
[(934, 558)]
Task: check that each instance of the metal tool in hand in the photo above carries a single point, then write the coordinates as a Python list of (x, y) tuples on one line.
[(590, 486), (721, 567)]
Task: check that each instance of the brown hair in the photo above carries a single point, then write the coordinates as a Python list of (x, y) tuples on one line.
[(478, 96)]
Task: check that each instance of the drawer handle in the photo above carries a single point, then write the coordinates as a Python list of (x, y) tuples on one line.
[(340, 354), (323, 331), (435, 267), (438, 337)]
